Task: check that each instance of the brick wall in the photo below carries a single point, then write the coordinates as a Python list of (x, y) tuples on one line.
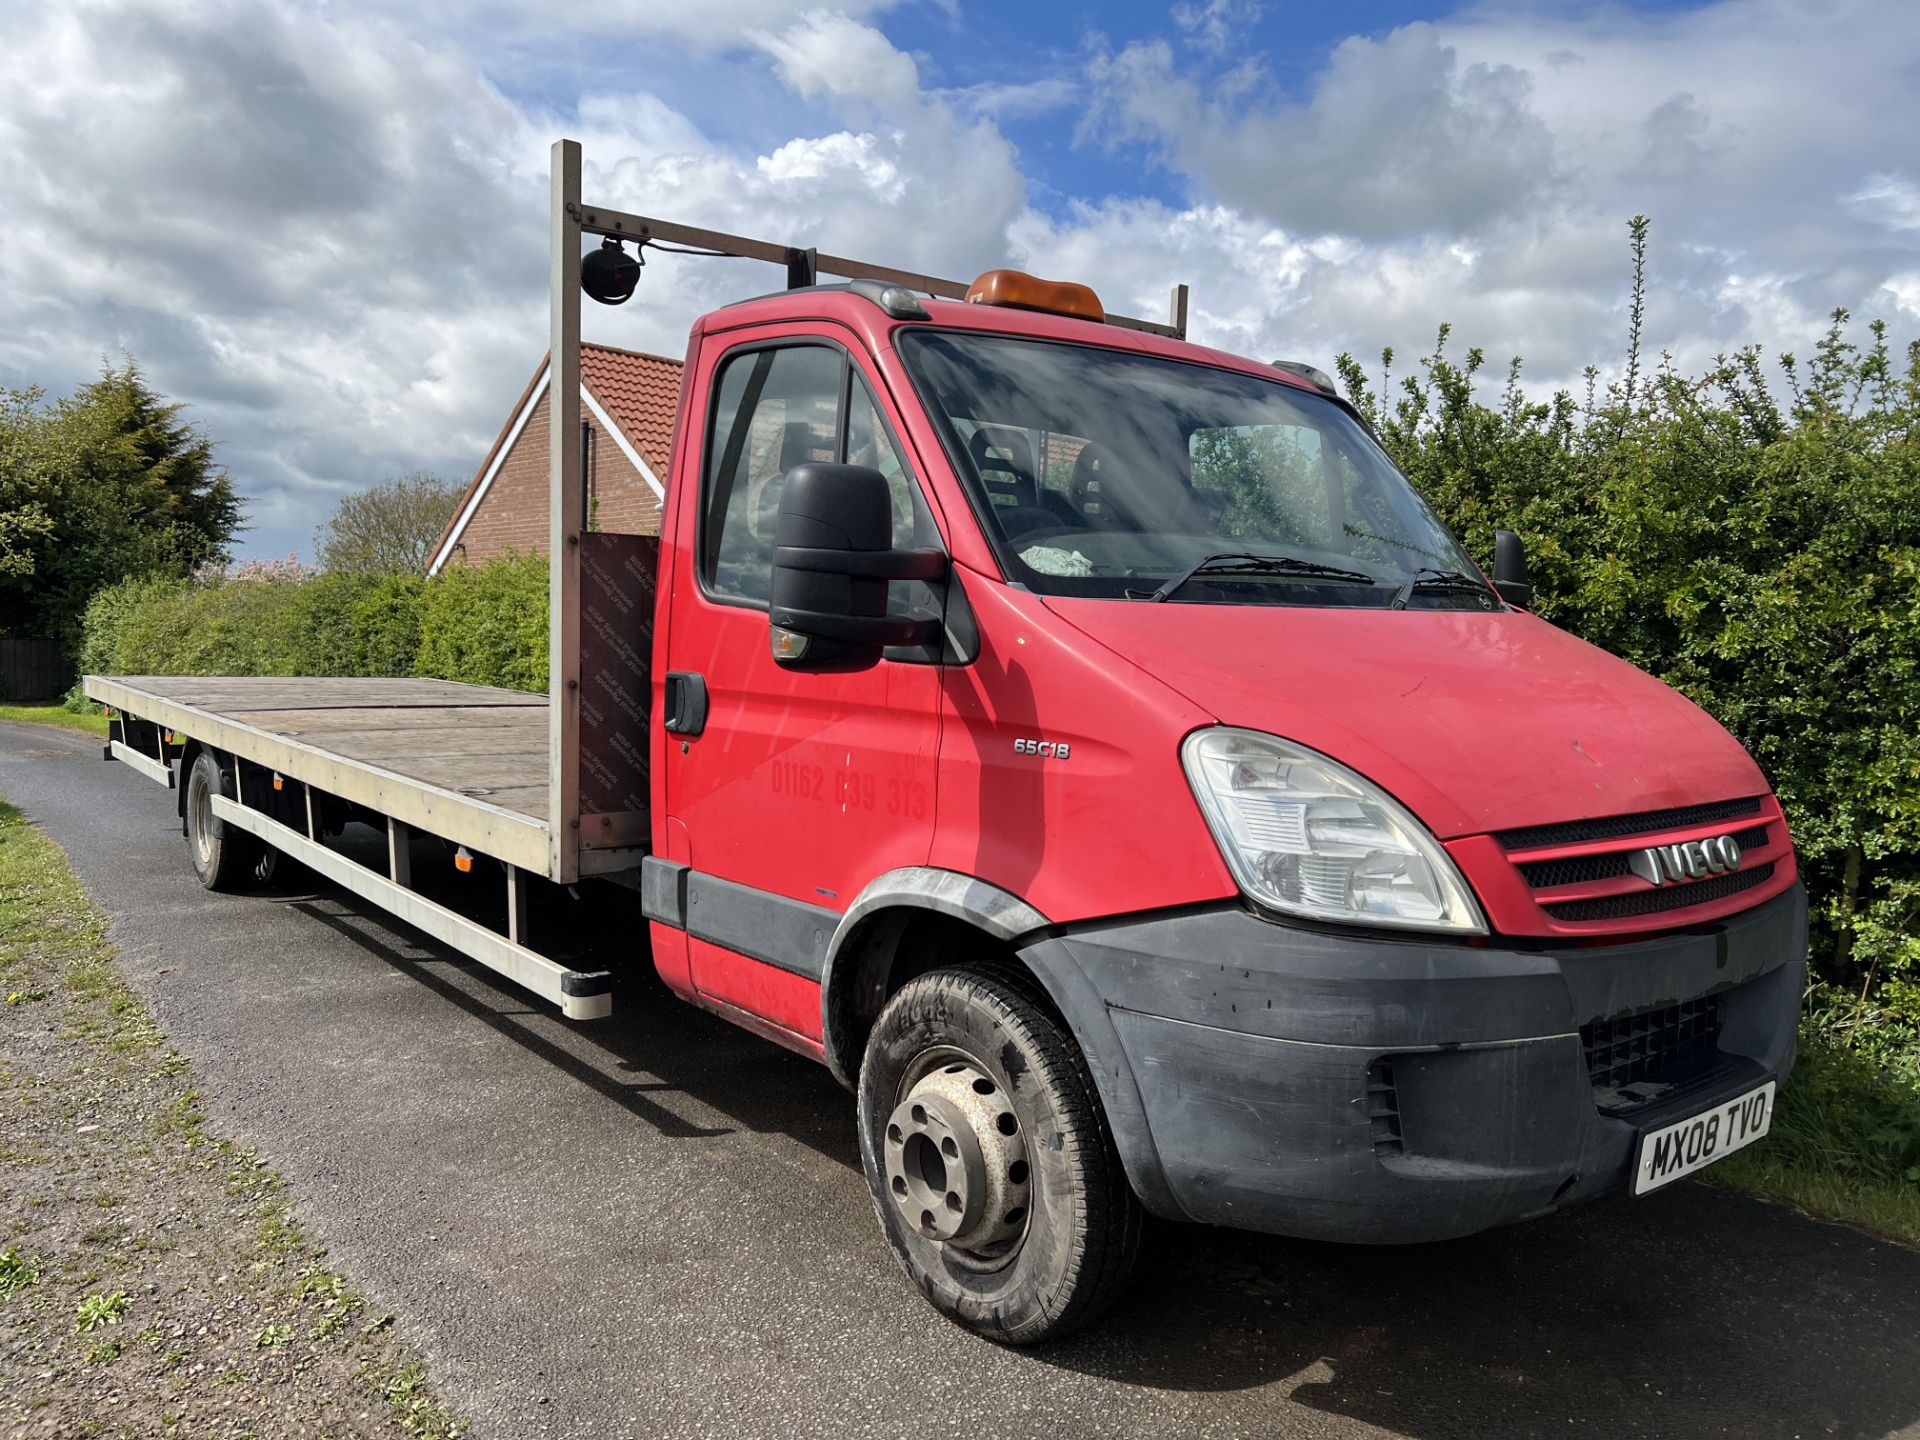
[(513, 514)]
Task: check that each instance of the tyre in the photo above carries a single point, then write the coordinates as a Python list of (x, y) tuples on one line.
[(988, 1155), (224, 858)]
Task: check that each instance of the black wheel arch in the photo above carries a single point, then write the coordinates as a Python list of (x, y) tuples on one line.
[(909, 922), (188, 754)]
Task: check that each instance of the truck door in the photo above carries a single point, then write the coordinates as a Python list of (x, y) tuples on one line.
[(799, 787)]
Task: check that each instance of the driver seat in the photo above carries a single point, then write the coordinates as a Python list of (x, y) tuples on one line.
[(1096, 510), (1003, 459)]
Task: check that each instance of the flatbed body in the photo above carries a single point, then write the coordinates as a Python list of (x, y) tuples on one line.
[(298, 757), (467, 763)]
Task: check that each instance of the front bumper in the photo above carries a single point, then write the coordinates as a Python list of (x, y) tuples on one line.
[(1245, 1064)]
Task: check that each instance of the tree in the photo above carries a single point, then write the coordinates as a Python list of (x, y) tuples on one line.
[(390, 528), (24, 520), (103, 484)]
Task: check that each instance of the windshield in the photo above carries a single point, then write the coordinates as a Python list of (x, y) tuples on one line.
[(1102, 473)]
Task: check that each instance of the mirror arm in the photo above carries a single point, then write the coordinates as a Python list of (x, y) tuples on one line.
[(1514, 592)]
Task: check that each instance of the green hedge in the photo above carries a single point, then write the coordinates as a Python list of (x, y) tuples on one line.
[(485, 624)]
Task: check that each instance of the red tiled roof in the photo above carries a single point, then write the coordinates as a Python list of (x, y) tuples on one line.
[(639, 393)]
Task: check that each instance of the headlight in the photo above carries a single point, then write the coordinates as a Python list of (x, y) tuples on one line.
[(1306, 836)]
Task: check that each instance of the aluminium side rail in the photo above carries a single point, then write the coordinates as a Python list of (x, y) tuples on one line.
[(270, 762), (581, 995)]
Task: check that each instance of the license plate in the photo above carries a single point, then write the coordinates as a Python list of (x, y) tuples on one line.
[(1696, 1142)]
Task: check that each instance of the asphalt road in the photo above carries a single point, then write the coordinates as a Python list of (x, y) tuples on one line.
[(656, 1226)]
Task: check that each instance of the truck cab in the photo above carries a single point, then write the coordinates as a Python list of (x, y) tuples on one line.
[(1089, 746)]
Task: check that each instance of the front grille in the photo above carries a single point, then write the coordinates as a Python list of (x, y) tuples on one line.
[(1666, 1046), (1383, 1108), (1578, 870), (1544, 873), (1613, 827), (1661, 897)]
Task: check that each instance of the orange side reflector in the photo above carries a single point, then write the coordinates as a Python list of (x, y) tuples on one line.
[(1026, 292), (278, 783), (462, 861)]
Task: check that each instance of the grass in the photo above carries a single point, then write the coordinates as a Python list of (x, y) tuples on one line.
[(1845, 1143), (151, 1269), (92, 722), (99, 1309)]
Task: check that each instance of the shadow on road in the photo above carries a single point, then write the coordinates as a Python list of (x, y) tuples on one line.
[(1694, 1312), (1699, 1313)]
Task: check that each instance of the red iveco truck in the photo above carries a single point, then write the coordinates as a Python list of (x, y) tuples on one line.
[(1093, 750)]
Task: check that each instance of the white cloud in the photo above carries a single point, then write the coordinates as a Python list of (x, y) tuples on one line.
[(1217, 24), (329, 237), (826, 55), (325, 229), (707, 23), (1758, 134), (1005, 101), (1889, 200), (302, 228), (1903, 291), (1399, 135)]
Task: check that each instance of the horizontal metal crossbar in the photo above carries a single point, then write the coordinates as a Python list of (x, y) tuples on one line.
[(145, 764), (598, 220), (546, 978)]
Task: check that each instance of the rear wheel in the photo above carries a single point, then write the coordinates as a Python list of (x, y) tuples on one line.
[(224, 858), (989, 1158)]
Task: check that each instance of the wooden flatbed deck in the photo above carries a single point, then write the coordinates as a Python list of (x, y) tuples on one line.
[(465, 762)]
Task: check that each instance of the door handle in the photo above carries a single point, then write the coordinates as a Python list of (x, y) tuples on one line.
[(686, 702)]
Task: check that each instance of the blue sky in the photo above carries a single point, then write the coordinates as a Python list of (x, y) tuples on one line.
[(331, 212)]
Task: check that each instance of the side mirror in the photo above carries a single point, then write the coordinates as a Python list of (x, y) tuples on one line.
[(1510, 568), (832, 558)]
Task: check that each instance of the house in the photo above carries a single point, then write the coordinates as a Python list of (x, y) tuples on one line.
[(627, 402)]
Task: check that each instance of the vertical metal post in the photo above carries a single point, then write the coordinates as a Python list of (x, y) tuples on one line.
[(586, 474), (518, 931), (1177, 311), (565, 518), (399, 853)]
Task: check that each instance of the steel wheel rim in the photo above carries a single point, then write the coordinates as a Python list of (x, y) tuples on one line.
[(200, 806), (984, 1197)]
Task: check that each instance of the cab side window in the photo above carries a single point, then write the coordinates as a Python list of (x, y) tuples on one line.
[(869, 444), (776, 408)]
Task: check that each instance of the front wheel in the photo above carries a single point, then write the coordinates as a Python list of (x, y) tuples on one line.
[(989, 1158), (224, 858)]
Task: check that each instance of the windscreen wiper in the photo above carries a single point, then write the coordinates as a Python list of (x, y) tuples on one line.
[(1230, 562), (1428, 578)]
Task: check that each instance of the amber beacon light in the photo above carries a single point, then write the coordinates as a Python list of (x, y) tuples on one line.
[(1027, 292)]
